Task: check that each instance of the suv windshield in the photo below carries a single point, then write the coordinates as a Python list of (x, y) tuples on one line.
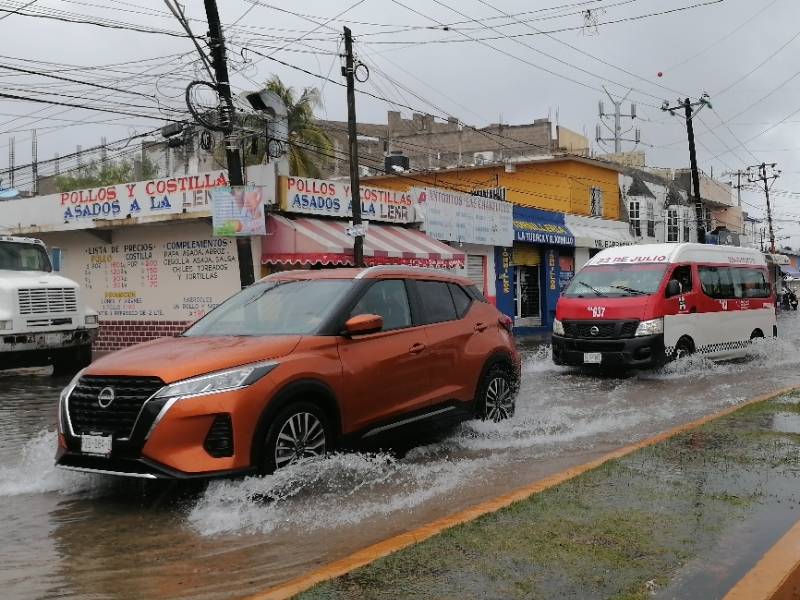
[(616, 281), (293, 307), (15, 256)]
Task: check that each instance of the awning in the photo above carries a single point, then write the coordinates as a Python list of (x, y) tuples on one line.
[(536, 226), (776, 259), (308, 241), (593, 232), (790, 271)]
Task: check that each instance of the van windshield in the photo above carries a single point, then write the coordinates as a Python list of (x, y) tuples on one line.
[(615, 281), (15, 256), (294, 307)]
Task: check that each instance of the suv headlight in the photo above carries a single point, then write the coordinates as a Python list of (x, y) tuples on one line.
[(62, 401), (90, 319), (651, 327), (221, 381), (558, 327)]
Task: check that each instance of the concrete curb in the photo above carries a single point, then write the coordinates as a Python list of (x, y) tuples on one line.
[(393, 544)]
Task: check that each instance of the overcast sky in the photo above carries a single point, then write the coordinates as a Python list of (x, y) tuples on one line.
[(486, 67)]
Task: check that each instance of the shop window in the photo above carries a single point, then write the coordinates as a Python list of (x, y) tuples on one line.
[(476, 269), (672, 225), (596, 201), (635, 218), (651, 220)]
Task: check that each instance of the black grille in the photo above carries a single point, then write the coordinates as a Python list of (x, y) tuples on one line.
[(608, 330), (219, 440), (130, 393)]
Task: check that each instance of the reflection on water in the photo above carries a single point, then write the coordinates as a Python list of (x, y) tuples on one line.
[(78, 535)]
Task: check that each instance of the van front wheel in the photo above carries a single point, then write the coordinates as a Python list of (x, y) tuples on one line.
[(683, 348)]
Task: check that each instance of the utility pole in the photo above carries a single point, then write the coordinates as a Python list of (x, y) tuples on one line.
[(616, 131), (766, 173), (689, 112), (349, 72), (738, 186), (216, 42)]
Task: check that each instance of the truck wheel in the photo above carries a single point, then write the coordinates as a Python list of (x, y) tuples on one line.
[(72, 360), (301, 430)]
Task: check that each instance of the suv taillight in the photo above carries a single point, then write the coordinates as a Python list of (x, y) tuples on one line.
[(506, 322)]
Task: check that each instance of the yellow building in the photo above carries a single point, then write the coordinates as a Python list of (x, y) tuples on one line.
[(566, 184)]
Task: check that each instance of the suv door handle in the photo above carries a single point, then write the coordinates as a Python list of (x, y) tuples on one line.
[(480, 327), (416, 348)]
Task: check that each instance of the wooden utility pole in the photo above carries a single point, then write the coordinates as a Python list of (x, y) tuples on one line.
[(766, 173), (689, 112), (216, 42), (349, 72)]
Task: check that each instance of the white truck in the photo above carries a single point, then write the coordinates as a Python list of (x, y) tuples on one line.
[(43, 318)]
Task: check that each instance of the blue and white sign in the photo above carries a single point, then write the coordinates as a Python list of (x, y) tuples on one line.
[(535, 226)]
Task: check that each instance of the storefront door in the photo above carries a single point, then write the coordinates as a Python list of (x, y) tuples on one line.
[(527, 297)]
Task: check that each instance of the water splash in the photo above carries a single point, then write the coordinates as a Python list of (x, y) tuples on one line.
[(34, 472)]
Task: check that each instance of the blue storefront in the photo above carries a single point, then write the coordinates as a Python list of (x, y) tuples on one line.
[(530, 275)]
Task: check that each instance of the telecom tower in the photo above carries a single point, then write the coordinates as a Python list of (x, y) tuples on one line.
[(616, 129)]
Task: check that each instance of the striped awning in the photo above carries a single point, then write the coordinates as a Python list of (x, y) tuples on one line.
[(308, 241)]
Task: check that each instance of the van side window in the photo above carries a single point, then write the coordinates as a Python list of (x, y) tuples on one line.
[(683, 275), (752, 282), (460, 298), (437, 303), (387, 298)]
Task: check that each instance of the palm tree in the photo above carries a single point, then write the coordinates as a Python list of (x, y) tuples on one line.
[(309, 147)]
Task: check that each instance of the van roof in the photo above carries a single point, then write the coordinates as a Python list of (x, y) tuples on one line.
[(679, 253), (376, 272)]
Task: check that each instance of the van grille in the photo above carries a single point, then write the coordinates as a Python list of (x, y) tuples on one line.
[(41, 301), (118, 418), (608, 330)]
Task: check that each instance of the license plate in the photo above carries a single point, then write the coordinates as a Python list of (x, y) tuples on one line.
[(96, 444), (592, 358), (52, 339)]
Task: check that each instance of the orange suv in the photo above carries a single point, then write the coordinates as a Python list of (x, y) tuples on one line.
[(286, 369)]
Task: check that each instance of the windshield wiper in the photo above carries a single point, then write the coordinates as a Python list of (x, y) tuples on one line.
[(630, 290), (594, 289)]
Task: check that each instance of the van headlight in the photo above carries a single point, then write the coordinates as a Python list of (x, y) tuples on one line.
[(651, 327), (558, 327), (221, 381)]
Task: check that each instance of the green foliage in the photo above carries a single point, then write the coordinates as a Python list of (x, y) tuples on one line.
[(96, 174), (309, 147)]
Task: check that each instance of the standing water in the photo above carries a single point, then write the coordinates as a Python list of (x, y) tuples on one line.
[(76, 536)]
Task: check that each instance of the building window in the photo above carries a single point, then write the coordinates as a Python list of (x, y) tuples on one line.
[(651, 220), (686, 217), (672, 225), (633, 213), (596, 199)]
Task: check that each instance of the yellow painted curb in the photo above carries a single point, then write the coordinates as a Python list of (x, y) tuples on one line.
[(776, 576), (393, 544)]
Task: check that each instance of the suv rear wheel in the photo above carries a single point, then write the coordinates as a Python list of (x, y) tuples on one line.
[(301, 430), (495, 401)]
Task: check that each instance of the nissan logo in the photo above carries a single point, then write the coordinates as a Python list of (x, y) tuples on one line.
[(593, 331), (105, 397)]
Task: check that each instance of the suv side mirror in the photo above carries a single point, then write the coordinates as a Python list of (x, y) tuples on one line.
[(363, 324), (673, 288)]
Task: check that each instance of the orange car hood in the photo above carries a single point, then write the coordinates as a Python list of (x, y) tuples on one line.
[(173, 359)]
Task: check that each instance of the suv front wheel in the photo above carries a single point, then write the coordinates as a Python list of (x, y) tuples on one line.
[(301, 430), (495, 400)]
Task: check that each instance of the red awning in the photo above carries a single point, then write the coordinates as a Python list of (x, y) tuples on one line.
[(308, 241)]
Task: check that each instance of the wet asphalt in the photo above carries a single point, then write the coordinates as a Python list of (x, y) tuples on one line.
[(78, 536)]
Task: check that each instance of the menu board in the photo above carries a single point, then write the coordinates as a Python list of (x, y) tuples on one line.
[(159, 273)]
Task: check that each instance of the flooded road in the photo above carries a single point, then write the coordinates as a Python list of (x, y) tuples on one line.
[(80, 536)]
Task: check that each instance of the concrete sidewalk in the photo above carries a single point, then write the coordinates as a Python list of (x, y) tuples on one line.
[(685, 518)]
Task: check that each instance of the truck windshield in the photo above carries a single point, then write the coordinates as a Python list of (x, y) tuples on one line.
[(615, 281), (293, 307), (15, 256)]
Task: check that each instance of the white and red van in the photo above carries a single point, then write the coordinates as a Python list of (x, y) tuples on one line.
[(639, 306)]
